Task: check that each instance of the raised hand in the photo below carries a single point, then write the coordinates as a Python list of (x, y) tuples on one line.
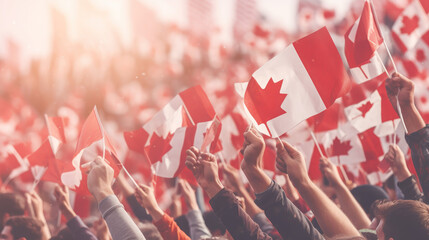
[(146, 197), (330, 171), (253, 148), (403, 88), (289, 160), (397, 163), (100, 178), (205, 169), (188, 194), (62, 195)]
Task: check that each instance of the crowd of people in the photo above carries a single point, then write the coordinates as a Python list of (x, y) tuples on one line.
[(233, 199), (297, 210)]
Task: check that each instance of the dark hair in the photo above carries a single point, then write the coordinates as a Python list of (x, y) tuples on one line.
[(11, 203), (213, 223), (26, 227), (404, 219), (366, 195), (150, 231), (64, 234)]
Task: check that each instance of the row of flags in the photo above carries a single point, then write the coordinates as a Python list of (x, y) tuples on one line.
[(304, 89)]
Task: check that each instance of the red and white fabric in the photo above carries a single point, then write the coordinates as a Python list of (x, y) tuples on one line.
[(167, 155), (361, 43), (371, 112), (308, 73), (411, 25), (419, 55), (92, 132), (189, 106)]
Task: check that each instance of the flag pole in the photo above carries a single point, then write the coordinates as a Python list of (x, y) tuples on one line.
[(397, 101), (381, 33), (316, 142), (343, 171), (104, 148)]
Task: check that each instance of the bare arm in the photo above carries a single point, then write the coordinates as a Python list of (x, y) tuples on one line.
[(348, 203), (331, 219)]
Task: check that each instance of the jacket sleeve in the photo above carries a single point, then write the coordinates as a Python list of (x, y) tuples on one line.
[(168, 229), (288, 219), (410, 189), (266, 226), (197, 227), (120, 224), (236, 220), (79, 230), (419, 145), (139, 211)]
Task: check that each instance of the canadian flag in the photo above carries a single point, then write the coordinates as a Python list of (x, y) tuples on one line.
[(343, 145), (189, 106), (419, 55), (92, 132), (307, 73), (231, 136), (411, 25), (371, 112), (328, 119), (167, 155), (361, 43), (15, 162)]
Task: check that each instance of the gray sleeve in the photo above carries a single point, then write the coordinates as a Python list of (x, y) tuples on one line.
[(197, 227), (120, 224), (263, 222)]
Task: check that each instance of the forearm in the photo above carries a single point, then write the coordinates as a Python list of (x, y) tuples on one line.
[(197, 227), (351, 207), (418, 143), (331, 219), (257, 178), (138, 210), (169, 229), (46, 234), (79, 230), (410, 189), (120, 224), (286, 218), (251, 208), (238, 223), (412, 118)]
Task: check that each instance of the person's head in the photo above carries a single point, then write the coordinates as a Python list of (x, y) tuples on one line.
[(150, 231), (64, 234), (366, 195), (11, 204), (401, 220), (22, 228), (214, 224)]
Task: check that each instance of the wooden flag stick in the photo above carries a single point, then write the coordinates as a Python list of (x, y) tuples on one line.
[(316, 142), (343, 171)]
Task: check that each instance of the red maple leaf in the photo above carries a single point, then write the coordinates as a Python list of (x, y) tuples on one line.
[(339, 148), (420, 55), (158, 147), (328, 14), (409, 24), (264, 104), (364, 109)]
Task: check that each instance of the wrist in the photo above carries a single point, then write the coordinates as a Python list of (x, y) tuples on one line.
[(156, 213), (68, 213), (102, 194), (301, 183), (213, 188), (402, 175)]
